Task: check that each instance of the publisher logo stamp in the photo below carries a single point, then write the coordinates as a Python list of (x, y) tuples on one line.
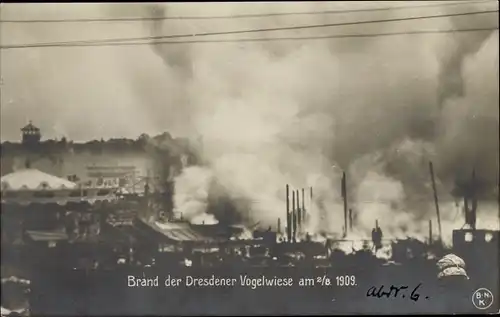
[(482, 298)]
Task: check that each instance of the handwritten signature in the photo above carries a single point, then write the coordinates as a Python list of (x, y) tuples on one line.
[(393, 292)]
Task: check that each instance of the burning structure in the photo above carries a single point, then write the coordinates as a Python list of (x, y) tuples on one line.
[(296, 216)]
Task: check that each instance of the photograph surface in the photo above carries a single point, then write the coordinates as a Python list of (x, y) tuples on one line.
[(252, 158)]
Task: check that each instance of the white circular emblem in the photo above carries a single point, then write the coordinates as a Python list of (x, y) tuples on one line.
[(482, 298)]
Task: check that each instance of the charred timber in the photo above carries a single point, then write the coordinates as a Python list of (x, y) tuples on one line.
[(299, 214), (303, 207), (288, 217), (293, 218), (431, 169), (344, 196)]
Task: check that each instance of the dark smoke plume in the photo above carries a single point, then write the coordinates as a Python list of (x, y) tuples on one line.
[(451, 81), (176, 57)]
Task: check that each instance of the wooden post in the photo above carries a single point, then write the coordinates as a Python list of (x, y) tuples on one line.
[(288, 222), (292, 218), (344, 196), (474, 200), (350, 219), (430, 232), (431, 169), (303, 206), (299, 213), (310, 200)]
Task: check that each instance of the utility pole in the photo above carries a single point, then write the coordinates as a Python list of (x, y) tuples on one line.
[(431, 169), (344, 196), (288, 215)]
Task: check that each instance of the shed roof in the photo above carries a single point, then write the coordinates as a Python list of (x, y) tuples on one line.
[(47, 235)]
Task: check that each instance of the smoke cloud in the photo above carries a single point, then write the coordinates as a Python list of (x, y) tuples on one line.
[(174, 57), (272, 113), (191, 195), (451, 81)]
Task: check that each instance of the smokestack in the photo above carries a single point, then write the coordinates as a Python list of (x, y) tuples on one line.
[(431, 169), (344, 196), (299, 213), (376, 223), (147, 201), (292, 218), (288, 222), (474, 200), (467, 212), (279, 226), (470, 196), (310, 199), (303, 206), (296, 216), (350, 219), (430, 231)]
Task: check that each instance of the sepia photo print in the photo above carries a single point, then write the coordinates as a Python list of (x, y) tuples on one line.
[(251, 158)]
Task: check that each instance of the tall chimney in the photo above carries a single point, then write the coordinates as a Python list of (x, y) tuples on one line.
[(344, 196), (279, 226), (299, 213), (310, 200), (295, 216), (350, 219), (292, 218), (288, 222), (303, 206), (376, 223), (474, 200), (436, 203), (430, 231)]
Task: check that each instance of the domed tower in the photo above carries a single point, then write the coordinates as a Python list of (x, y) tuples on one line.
[(31, 134)]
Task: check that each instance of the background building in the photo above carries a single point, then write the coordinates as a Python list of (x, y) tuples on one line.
[(112, 163)]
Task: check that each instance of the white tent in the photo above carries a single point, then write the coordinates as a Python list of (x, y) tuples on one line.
[(33, 186), (33, 179)]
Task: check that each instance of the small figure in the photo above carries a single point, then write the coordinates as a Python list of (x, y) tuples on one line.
[(377, 238)]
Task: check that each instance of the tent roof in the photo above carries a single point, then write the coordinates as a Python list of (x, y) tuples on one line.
[(33, 179), (187, 232), (47, 235), (179, 232)]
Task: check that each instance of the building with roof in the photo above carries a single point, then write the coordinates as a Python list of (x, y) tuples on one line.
[(31, 186), (31, 179), (37, 205), (31, 134), (120, 162)]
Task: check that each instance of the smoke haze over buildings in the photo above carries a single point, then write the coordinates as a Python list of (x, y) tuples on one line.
[(278, 112)]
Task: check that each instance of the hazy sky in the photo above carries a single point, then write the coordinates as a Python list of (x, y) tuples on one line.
[(92, 92)]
